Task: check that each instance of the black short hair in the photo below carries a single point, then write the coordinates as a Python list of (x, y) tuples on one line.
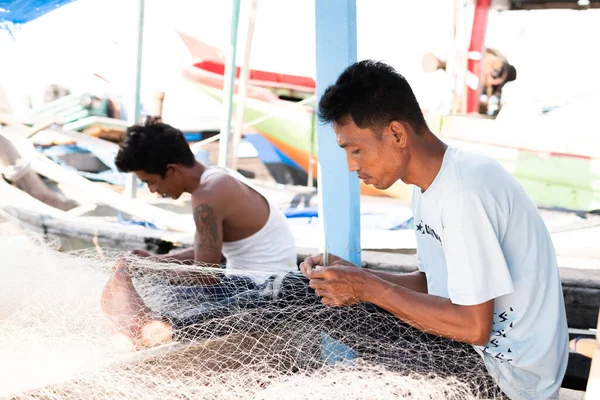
[(373, 94), (152, 146)]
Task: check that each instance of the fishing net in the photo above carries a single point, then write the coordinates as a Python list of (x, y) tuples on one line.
[(239, 339)]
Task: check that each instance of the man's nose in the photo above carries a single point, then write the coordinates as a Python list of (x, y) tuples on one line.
[(352, 165)]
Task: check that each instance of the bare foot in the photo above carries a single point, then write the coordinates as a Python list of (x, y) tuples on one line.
[(132, 325)]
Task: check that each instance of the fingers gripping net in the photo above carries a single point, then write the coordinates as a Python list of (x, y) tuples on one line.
[(242, 340)]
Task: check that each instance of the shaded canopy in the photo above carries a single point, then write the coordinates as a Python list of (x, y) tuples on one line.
[(544, 4), (22, 11)]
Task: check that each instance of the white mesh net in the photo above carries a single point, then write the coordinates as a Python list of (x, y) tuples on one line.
[(237, 340)]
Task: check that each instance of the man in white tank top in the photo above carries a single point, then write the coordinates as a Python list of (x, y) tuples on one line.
[(233, 221)]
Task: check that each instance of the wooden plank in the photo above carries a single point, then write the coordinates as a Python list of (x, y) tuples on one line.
[(162, 219), (570, 394), (24, 178), (48, 220), (593, 386)]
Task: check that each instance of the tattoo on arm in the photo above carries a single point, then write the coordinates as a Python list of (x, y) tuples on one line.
[(206, 226)]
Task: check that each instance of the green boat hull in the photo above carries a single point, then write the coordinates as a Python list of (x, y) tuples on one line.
[(294, 126)]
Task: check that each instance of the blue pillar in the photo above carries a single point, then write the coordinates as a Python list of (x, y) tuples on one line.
[(339, 192)]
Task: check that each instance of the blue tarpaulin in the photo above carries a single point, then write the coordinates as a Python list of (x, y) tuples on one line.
[(22, 11)]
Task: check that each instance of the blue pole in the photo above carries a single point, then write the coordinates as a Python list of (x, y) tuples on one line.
[(339, 192)]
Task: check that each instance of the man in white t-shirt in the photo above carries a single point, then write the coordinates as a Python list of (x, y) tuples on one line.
[(487, 268)]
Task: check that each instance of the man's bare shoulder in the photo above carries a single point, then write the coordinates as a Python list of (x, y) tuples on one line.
[(217, 190)]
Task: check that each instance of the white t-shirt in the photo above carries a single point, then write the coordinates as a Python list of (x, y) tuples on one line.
[(480, 237)]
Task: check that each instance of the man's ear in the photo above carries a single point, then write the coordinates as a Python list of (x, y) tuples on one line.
[(174, 168), (398, 132)]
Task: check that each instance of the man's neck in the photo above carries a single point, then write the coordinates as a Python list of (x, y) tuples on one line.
[(192, 176), (426, 161)]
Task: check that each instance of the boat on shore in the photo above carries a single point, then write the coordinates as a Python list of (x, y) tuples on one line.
[(556, 169)]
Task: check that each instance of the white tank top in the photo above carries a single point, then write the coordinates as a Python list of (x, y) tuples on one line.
[(269, 251)]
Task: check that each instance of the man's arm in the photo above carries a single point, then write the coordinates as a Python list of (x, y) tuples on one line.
[(177, 256), (433, 314), (208, 242), (181, 255), (345, 285), (416, 281), (176, 276)]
